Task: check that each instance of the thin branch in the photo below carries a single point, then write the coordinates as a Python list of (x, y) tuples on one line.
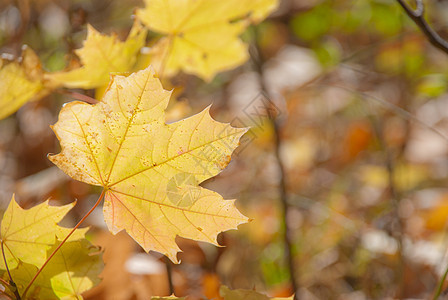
[(169, 274), (4, 282), (62, 243), (440, 285), (287, 232), (417, 15), (78, 96), (398, 234), (437, 41), (11, 282)]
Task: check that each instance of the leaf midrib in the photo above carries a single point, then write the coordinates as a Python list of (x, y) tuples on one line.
[(134, 112)]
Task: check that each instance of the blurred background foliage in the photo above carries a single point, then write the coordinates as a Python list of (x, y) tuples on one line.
[(361, 97)]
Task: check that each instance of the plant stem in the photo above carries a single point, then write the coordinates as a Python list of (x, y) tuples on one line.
[(283, 197), (78, 96), (169, 273), (165, 57), (4, 282), (287, 232), (440, 285), (11, 282), (417, 15), (63, 241)]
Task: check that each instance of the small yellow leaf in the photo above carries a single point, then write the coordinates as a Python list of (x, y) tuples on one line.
[(73, 270), (150, 170), (168, 298), (406, 176), (201, 36), (102, 55), (26, 235), (20, 82), (229, 294), (241, 294)]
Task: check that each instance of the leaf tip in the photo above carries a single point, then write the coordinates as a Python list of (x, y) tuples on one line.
[(90, 30), (173, 257), (50, 157), (73, 204)]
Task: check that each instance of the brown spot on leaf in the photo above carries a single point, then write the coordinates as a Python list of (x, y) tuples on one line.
[(223, 162)]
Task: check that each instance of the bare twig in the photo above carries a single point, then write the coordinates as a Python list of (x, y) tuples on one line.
[(417, 15), (78, 96), (4, 282), (287, 232), (11, 282), (169, 274), (397, 228), (440, 286), (436, 40)]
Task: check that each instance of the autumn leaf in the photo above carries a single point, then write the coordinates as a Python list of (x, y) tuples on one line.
[(20, 82), (74, 269), (406, 176), (150, 170), (228, 294), (26, 235), (100, 56), (168, 298), (201, 37), (241, 294)]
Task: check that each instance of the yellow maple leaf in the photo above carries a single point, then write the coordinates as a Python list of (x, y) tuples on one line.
[(228, 294), (102, 55), (167, 298), (201, 35), (20, 82), (73, 270), (150, 170), (26, 235), (240, 294)]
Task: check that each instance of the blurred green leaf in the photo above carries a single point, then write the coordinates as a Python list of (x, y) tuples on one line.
[(432, 85), (312, 24), (328, 53), (386, 18)]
